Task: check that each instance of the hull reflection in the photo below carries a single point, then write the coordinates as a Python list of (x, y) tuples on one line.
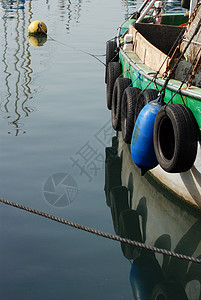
[(130, 6), (18, 76), (17, 66), (143, 211)]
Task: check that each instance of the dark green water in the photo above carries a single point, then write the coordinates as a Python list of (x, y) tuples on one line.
[(54, 128)]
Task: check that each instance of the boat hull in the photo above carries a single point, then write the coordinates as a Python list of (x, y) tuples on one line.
[(145, 211), (185, 185)]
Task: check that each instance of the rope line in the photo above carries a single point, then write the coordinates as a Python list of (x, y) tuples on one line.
[(138, 78), (179, 39), (74, 48), (180, 57), (185, 80), (100, 233)]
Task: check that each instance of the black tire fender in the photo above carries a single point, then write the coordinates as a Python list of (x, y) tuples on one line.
[(128, 105), (111, 54), (119, 87), (114, 71), (175, 138), (119, 203), (129, 228), (144, 98)]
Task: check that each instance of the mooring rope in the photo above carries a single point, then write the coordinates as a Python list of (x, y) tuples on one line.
[(100, 233), (72, 47)]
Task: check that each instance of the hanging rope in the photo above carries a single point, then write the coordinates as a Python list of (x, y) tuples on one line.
[(180, 57), (184, 81), (138, 78), (178, 40), (193, 15), (100, 233)]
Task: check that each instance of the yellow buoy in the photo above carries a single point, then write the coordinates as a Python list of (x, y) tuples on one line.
[(37, 27)]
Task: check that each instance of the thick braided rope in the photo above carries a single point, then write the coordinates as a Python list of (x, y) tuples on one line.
[(100, 233)]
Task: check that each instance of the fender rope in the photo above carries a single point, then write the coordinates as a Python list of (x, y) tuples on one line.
[(100, 233)]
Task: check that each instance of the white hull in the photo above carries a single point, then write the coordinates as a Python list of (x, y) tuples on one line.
[(186, 186), (164, 222)]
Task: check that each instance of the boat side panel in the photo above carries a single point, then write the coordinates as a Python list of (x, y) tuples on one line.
[(148, 53), (125, 26), (142, 82), (174, 19)]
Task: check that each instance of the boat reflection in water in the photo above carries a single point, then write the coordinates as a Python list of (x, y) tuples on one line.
[(143, 211), (17, 71), (19, 75), (130, 6)]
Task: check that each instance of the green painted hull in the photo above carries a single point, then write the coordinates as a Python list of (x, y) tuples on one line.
[(141, 75)]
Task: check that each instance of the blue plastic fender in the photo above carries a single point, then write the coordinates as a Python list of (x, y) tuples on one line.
[(142, 148)]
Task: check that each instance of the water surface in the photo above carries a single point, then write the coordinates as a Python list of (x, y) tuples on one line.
[(54, 131)]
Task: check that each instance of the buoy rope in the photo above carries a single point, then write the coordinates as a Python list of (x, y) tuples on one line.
[(72, 47), (100, 233)]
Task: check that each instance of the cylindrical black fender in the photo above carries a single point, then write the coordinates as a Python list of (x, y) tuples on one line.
[(119, 87), (175, 138), (114, 71), (128, 106)]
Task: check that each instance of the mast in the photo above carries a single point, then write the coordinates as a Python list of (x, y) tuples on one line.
[(145, 11), (192, 5)]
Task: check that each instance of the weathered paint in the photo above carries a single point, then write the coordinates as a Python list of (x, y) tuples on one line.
[(141, 82), (184, 185)]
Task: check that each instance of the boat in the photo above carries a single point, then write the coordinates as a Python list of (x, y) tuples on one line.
[(145, 212), (153, 82)]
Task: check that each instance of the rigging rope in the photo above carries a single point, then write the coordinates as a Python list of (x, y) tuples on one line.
[(178, 91), (180, 57), (100, 233), (179, 39)]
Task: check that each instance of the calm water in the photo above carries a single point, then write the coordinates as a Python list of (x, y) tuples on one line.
[(54, 131)]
